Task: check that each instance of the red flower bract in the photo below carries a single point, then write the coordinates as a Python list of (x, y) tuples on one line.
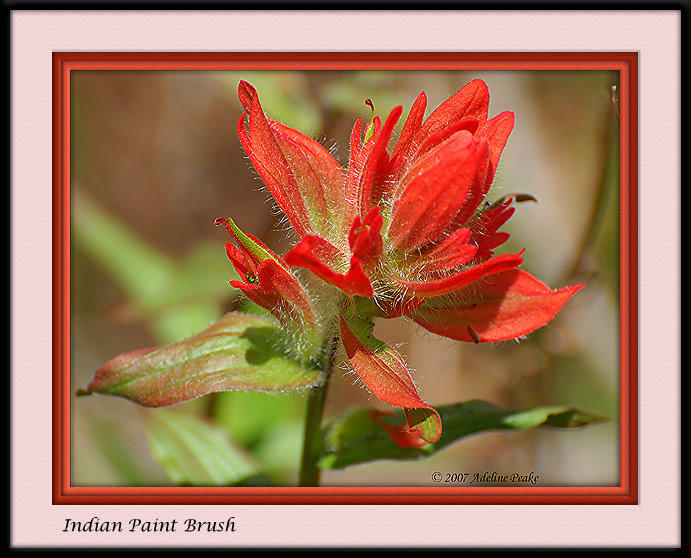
[(404, 230)]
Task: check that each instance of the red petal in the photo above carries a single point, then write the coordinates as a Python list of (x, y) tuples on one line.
[(365, 238), (316, 172), (510, 304), (468, 124), (304, 178), (384, 372), (410, 128), (453, 251), (313, 253), (433, 191), (490, 242), (481, 224), (280, 293), (271, 165), (455, 282), (272, 157), (366, 188), (355, 138), (274, 278), (471, 101), (485, 228), (240, 263), (357, 167), (496, 131)]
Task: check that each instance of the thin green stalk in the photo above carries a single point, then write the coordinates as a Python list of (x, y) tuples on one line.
[(309, 470)]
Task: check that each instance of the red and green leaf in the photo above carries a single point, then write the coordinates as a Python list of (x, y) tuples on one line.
[(386, 375), (237, 352), (268, 282)]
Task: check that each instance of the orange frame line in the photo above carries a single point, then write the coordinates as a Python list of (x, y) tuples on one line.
[(624, 62)]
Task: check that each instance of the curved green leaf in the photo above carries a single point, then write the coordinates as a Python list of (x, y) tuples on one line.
[(359, 436), (195, 452), (237, 352)]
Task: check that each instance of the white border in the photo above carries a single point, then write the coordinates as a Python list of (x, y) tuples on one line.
[(655, 34)]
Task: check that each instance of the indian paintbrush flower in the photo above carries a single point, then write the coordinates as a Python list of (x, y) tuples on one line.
[(403, 230)]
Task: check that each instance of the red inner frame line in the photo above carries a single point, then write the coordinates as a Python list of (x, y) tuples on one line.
[(624, 62)]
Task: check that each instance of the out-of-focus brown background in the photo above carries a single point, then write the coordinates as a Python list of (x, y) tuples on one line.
[(155, 159)]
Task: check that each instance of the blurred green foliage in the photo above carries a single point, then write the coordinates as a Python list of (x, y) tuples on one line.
[(175, 298), (197, 453)]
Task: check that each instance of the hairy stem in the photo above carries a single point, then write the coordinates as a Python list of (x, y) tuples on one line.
[(309, 470)]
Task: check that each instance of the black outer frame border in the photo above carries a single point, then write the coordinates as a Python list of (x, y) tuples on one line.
[(354, 5)]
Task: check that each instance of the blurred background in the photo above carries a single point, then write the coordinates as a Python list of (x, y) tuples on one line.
[(155, 159)]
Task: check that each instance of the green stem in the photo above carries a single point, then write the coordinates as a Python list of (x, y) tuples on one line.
[(309, 470)]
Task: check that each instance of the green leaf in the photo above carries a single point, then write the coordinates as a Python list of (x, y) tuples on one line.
[(358, 437), (195, 452), (237, 352)]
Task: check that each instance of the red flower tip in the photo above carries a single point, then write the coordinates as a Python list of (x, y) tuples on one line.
[(266, 280), (220, 221), (402, 435), (246, 93)]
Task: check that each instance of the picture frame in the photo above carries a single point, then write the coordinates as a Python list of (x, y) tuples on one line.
[(624, 63), (628, 493)]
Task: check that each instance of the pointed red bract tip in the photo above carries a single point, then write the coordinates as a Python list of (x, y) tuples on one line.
[(402, 435), (511, 305), (246, 93), (220, 221)]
